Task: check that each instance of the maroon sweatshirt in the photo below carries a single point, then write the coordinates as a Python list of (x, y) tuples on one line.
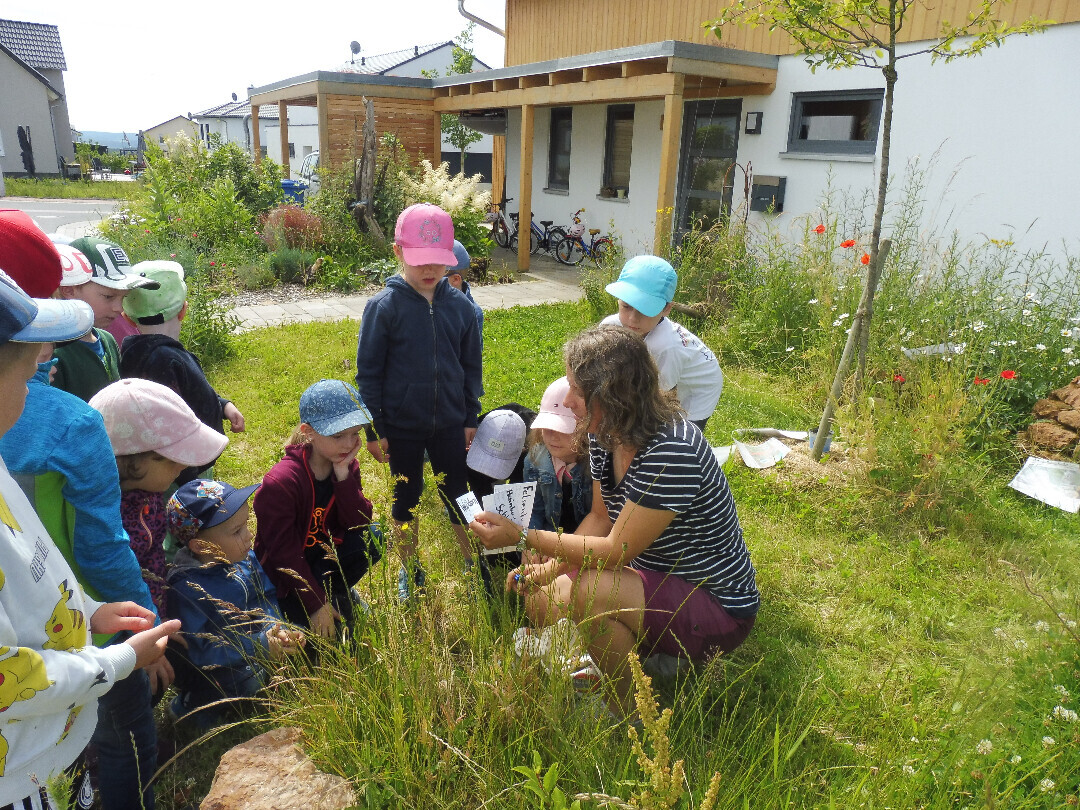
[(283, 507)]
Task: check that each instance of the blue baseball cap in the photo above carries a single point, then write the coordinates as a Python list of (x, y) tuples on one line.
[(331, 406), (463, 259), (647, 283), (39, 320), (202, 504)]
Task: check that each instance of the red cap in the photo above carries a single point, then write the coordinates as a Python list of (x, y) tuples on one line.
[(425, 234), (28, 255)]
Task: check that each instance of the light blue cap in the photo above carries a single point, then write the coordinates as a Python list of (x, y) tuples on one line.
[(463, 259), (331, 406), (647, 283)]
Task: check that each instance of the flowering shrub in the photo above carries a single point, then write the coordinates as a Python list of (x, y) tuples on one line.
[(459, 196)]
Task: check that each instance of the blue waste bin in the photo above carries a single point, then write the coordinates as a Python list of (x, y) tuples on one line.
[(294, 190)]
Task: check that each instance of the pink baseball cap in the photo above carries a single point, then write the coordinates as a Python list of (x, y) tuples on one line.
[(425, 234), (77, 268), (141, 415), (553, 414)]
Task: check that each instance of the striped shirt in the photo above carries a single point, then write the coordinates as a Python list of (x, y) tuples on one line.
[(678, 472)]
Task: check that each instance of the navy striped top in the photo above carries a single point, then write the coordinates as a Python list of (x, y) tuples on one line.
[(678, 472)]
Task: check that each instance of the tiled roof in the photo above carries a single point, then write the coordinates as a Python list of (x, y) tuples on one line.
[(383, 63), (238, 109), (37, 44)]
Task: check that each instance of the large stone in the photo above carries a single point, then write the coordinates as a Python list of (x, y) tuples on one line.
[(1070, 394), (1045, 408), (1051, 436), (271, 772), (1069, 419)]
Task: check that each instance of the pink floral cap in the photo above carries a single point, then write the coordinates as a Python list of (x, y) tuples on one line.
[(141, 415), (425, 234)]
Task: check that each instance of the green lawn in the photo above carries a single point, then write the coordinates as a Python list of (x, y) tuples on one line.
[(904, 656), (54, 188)]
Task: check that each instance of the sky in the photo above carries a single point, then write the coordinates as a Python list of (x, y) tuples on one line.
[(133, 66)]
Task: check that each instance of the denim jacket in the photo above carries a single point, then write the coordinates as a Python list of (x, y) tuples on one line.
[(547, 508)]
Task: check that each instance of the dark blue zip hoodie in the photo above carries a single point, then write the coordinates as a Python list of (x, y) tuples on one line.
[(418, 364)]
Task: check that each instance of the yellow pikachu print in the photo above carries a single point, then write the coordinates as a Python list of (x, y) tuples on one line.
[(66, 627)]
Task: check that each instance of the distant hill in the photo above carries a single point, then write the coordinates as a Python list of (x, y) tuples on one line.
[(113, 140)]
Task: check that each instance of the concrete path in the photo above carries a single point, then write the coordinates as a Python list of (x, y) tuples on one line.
[(547, 283)]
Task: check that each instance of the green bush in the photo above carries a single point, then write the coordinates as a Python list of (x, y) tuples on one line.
[(207, 330)]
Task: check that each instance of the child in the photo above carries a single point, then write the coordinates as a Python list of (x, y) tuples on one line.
[(418, 368), (313, 536), (645, 289), (564, 485), (50, 679), (154, 437), (226, 605), (87, 365), (157, 354), (458, 282)]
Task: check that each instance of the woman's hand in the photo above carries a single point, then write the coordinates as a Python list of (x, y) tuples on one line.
[(322, 621), (495, 531), (116, 617), (536, 575)]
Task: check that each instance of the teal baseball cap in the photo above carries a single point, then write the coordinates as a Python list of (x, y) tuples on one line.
[(647, 283)]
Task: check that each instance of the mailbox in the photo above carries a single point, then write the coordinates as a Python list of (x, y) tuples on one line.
[(768, 193)]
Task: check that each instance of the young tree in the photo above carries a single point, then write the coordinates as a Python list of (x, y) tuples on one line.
[(461, 136), (865, 33)]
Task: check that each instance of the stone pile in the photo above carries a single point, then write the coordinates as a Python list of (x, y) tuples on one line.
[(1057, 425)]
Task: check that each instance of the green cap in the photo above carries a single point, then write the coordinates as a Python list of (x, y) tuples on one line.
[(150, 307)]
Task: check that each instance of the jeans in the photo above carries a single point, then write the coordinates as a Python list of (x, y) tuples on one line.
[(126, 742)]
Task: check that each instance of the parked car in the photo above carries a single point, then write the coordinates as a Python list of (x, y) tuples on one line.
[(309, 173)]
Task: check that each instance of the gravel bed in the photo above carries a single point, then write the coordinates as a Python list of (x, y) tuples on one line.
[(285, 294)]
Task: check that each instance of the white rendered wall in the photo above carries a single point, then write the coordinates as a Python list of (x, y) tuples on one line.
[(1003, 126), (24, 101), (632, 219), (303, 131)]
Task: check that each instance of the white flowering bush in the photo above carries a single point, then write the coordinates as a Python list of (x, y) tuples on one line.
[(459, 196)]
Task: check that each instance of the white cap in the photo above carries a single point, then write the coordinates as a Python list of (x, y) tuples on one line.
[(497, 446)]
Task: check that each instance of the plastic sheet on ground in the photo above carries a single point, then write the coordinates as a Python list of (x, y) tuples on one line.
[(1056, 483)]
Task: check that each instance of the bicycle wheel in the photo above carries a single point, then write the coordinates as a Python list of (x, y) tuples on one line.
[(534, 243), (570, 251), (500, 233), (513, 245), (603, 251), (554, 236)]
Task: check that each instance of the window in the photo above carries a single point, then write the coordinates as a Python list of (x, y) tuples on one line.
[(292, 150), (307, 151), (843, 122), (617, 145), (559, 149), (262, 150)]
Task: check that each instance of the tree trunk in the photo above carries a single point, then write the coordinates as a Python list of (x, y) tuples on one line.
[(364, 178)]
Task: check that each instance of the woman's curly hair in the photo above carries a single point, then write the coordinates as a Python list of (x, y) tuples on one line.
[(616, 374)]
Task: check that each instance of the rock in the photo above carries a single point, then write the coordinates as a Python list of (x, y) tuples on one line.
[(1051, 435), (1070, 394), (271, 772), (1069, 419), (1048, 408)]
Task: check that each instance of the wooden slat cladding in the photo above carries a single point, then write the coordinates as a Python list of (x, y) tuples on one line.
[(538, 30), (410, 119)]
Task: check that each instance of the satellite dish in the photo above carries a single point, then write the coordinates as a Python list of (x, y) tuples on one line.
[(234, 96), (354, 46)]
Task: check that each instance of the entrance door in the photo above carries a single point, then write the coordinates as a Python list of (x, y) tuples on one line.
[(707, 174)]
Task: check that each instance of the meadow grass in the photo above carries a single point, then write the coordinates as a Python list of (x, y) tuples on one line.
[(910, 652), (57, 189)]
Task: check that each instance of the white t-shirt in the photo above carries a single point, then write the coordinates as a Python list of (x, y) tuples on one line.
[(51, 676), (686, 364)]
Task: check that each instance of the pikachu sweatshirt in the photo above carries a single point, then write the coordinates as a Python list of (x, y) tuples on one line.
[(50, 674)]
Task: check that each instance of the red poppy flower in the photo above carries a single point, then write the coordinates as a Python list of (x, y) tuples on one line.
[(1008, 374), (819, 229), (899, 378), (212, 264), (981, 380), (848, 243), (865, 258)]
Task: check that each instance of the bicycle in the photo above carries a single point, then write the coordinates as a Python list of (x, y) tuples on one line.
[(547, 240), (573, 249), (500, 231)]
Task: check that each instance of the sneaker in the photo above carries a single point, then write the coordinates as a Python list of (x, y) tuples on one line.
[(405, 588), (586, 679)]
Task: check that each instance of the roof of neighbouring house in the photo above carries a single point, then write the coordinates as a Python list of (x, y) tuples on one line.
[(383, 63), (36, 44), (237, 109)]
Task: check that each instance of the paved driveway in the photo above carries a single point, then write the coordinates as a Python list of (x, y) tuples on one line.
[(72, 218)]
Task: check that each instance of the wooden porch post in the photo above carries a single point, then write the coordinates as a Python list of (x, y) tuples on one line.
[(498, 168), (255, 143), (436, 140), (283, 130), (525, 187), (669, 162), (322, 105)]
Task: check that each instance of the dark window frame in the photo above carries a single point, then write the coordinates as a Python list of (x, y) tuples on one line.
[(615, 113), (835, 147), (292, 150), (559, 116)]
